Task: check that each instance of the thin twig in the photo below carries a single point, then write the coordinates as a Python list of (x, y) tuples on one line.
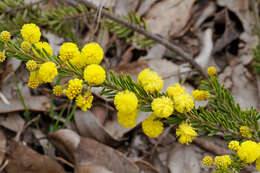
[(187, 57), (65, 162)]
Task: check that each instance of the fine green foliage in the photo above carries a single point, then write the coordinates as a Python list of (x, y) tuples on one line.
[(126, 33), (64, 20), (223, 115), (58, 20), (256, 60)]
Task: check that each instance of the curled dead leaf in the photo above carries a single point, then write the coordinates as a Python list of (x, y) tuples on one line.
[(22, 159), (88, 154)]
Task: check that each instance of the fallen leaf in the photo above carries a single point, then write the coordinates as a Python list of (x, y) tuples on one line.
[(34, 103), (89, 126), (243, 89), (145, 6), (169, 17), (86, 152), (13, 122), (183, 159), (22, 159), (230, 34), (2, 147), (123, 7)]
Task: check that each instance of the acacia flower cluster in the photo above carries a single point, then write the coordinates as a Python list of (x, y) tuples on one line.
[(246, 153)]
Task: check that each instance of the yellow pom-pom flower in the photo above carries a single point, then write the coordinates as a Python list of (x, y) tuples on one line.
[(150, 81), (126, 101), (257, 164), (245, 132), (68, 51), (92, 53), (33, 81), (176, 90), (234, 145), (26, 46), (212, 71), (75, 87), (127, 120), (31, 33), (200, 95), (2, 57), (183, 103), (31, 65), (152, 127), (185, 133), (5, 36), (57, 90), (41, 46), (47, 72), (162, 107), (222, 162), (94, 74), (249, 151), (207, 161), (84, 101)]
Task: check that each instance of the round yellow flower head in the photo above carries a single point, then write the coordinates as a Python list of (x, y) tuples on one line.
[(244, 131), (92, 53), (185, 133), (207, 161), (31, 65), (84, 101), (162, 107), (249, 151), (41, 46), (183, 103), (257, 164), (94, 74), (150, 81), (68, 51), (2, 57), (126, 101), (31, 33), (57, 90), (222, 161), (75, 87), (33, 81), (176, 90), (47, 72), (212, 71), (5, 36), (127, 120), (200, 95), (26, 46), (234, 145), (152, 127)]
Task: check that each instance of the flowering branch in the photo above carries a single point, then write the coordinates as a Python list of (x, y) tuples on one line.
[(175, 106)]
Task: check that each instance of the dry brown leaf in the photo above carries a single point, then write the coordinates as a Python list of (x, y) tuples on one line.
[(169, 17), (183, 159), (22, 159), (243, 89), (89, 126), (2, 147), (145, 6), (86, 152), (35, 103), (13, 122)]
